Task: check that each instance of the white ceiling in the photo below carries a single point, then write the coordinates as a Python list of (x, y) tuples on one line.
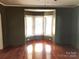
[(50, 3)]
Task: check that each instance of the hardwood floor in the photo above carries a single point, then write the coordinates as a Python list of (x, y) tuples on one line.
[(13, 53), (65, 52), (59, 52)]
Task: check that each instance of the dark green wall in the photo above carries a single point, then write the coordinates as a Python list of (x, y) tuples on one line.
[(64, 25), (75, 27), (15, 26), (4, 25), (67, 26)]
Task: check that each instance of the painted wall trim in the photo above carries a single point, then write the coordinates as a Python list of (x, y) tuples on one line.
[(1, 37), (64, 6)]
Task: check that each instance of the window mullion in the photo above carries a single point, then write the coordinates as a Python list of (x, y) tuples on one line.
[(33, 25), (25, 25), (52, 27), (43, 25)]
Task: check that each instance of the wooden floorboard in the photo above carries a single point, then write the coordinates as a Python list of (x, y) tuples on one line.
[(59, 52)]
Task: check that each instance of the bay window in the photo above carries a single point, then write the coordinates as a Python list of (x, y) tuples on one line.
[(39, 25)]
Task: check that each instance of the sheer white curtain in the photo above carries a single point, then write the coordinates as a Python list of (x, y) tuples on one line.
[(48, 25), (39, 25), (28, 26)]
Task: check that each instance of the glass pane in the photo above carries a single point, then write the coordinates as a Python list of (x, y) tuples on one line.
[(28, 26), (48, 25), (48, 51), (38, 25)]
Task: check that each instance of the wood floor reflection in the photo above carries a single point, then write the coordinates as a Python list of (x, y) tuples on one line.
[(59, 52)]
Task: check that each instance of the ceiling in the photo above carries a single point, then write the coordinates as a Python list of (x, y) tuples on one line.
[(50, 3)]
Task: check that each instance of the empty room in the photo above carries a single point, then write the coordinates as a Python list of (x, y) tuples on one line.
[(39, 29)]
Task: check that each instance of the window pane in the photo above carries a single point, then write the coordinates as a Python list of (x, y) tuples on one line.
[(48, 25), (28, 26), (38, 25)]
